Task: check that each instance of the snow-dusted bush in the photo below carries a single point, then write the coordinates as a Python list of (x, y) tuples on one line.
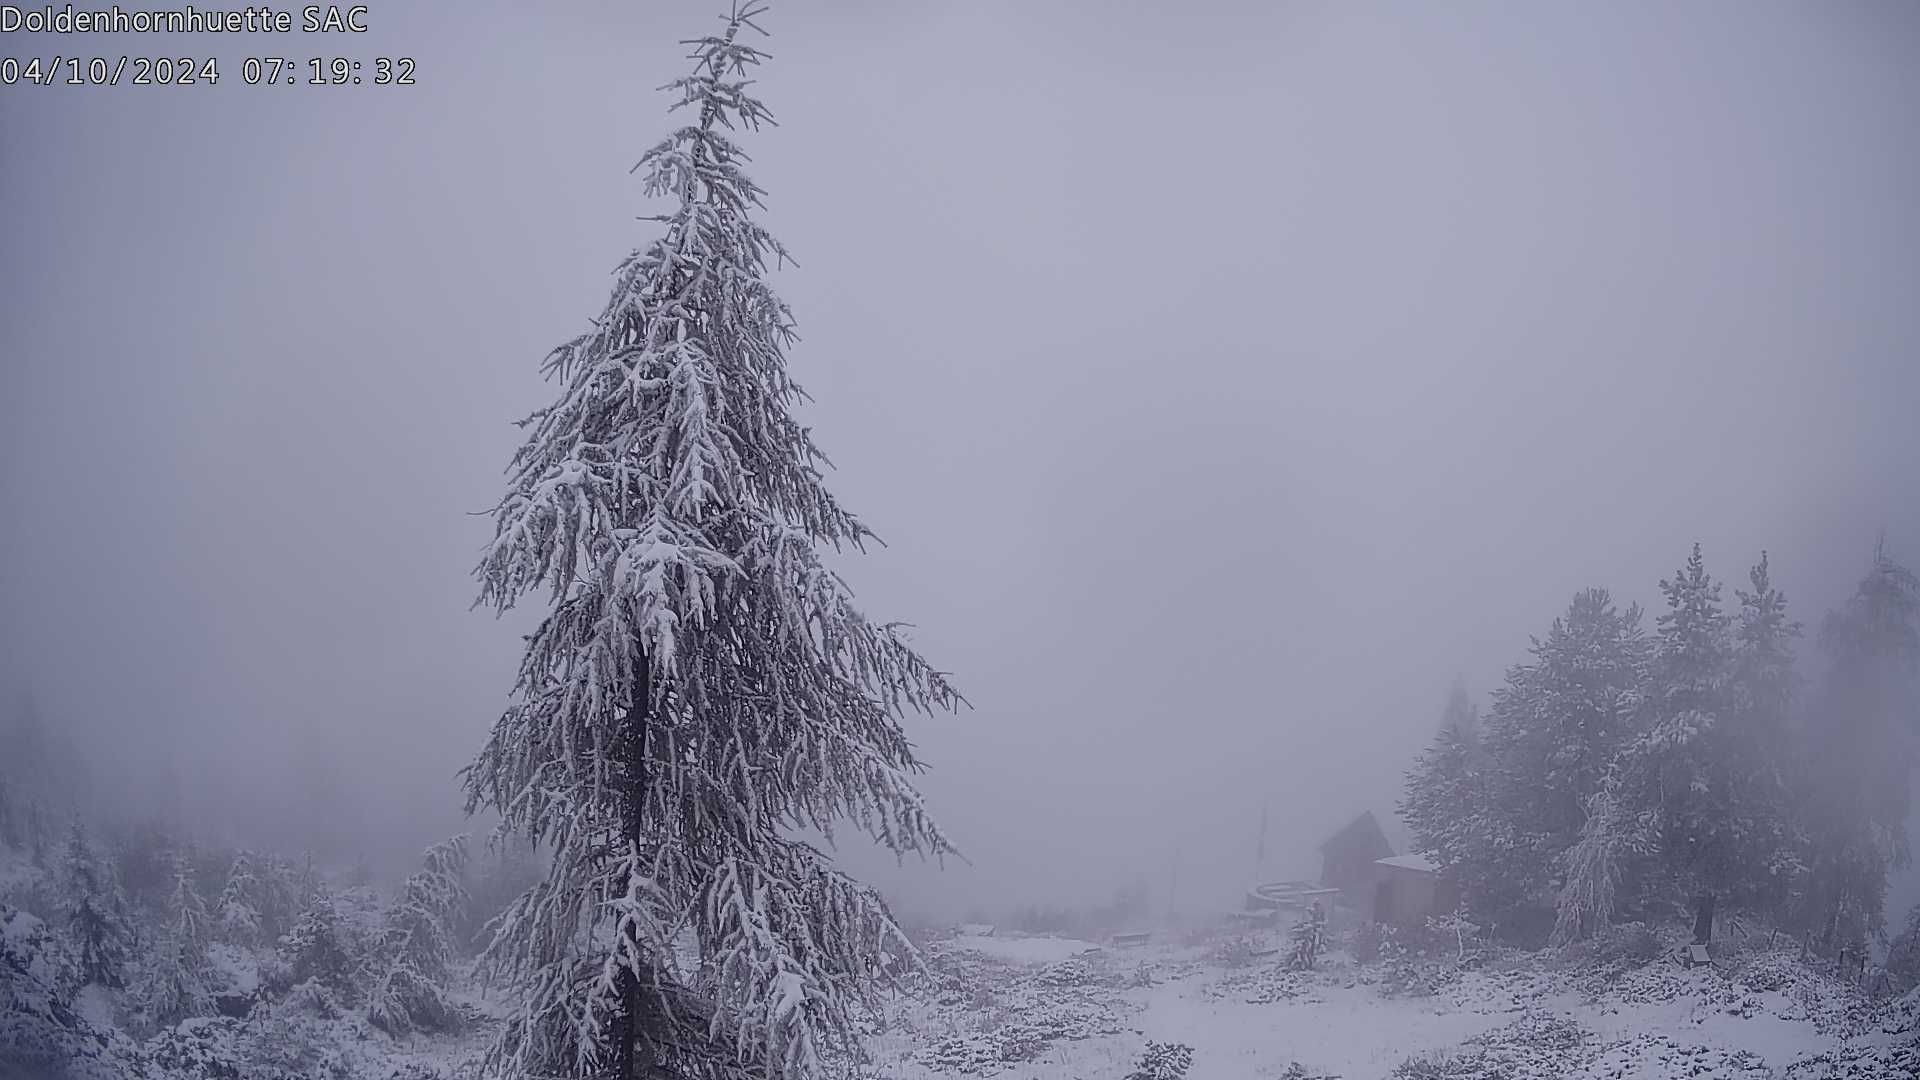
[(1163, 1061), (1363, 944), (1659, 1057), (1535, 1047), (316, 949), (410, 960), (41, 1034), (282, 1045), (1306, 940), (1072, 971), (1231, 953)]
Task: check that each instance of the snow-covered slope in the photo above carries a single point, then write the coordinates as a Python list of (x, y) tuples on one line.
[(1091, 1014)]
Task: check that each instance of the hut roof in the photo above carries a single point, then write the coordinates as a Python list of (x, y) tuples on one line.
[(1361, 836)]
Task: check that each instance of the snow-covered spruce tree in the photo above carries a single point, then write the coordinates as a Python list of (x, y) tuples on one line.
[(1678, 773), (316, 948), (1550, 739), (98, 917), (236, 910), (702, 687), (1446, 807), (1609, 840), (1761, 697), (410, 961), (286, 890), (1461, 716), (174, 983)]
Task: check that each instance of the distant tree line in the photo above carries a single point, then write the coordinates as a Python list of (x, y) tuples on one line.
[(172, 930), (1626, 774)]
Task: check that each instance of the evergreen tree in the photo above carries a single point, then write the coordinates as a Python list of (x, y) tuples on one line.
[(416, 945), (316, 948), (1679, 774), (237, 909), (1552, 735), (97, 912), (1859, 753), (1462, 716), (1448, 811), (701, 684), (1307, 938), (286, 890), (1761, 696), (175, 984), (1610, 841), (1903, 954)]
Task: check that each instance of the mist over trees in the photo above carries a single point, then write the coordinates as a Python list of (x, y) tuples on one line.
[(1621, 774)]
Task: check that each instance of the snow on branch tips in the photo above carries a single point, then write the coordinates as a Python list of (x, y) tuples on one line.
[(701, 684)]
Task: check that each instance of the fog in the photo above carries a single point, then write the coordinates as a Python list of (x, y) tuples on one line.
[(1225, 380)]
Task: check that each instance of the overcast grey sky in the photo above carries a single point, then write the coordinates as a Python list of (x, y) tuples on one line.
[(1225, 378)]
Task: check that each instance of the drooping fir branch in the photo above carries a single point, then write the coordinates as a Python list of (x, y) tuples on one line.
[(702, 684)]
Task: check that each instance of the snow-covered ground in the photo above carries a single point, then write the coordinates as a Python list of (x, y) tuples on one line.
[(1055, 1008), (1051, 1009)]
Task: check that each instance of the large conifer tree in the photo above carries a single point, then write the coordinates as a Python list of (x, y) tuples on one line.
[(1678, 775), (702, 686), (1554, 731), (1860, 751), (1761, 697)]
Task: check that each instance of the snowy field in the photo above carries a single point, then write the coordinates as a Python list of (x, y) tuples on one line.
[(1047, 1008)]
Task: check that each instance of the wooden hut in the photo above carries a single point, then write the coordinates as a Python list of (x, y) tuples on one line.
[(1407, 889), (1347, 859)]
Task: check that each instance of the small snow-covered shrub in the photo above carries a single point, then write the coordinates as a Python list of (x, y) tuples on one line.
[(1231, 953), (1163, 1061), (1858, 1062), (1535, 1047), (1408, 965), (210, 1047), (1263, 987), (1364, 943), (316, 948), (413, 1070), (1072, 971), (974, 1054), (311, 998), (403, 1000), (1765, 972), (288, 1046), (1307, 939), (1656, 1057)]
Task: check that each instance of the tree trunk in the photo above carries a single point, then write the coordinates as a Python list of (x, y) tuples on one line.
[(1703, 919), (639, 727)]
